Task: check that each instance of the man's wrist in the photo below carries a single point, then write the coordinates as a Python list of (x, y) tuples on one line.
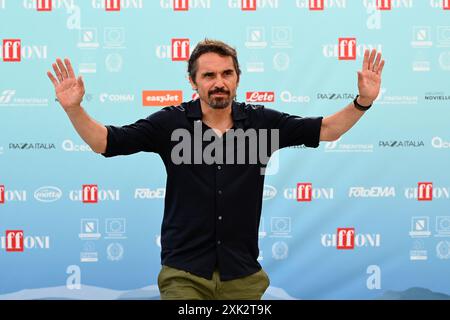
[(358, 104), (73, 111), (364, 101)]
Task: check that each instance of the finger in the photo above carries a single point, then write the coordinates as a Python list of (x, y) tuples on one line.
[(52, 78), (380, 69), (366, 60), (372, 56), (57, 72), (69, 68), (81, 82), (376, 64), (63, 69)]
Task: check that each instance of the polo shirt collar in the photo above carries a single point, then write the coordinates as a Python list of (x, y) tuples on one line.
[(194, 110)]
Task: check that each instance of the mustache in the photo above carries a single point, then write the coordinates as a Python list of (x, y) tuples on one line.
[(219, 90)]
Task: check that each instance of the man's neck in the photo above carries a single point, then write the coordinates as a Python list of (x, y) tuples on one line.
[(220, 119)]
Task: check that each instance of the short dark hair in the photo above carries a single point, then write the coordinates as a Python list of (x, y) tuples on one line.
[(216, 46)]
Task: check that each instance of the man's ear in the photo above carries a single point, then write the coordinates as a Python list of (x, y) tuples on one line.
[(192, 82)]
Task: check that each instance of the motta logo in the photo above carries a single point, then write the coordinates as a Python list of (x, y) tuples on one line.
[(248, 5), (316, 4), (47, 194), (161, 98), (180, 49), (347, 48), (11, 50), (269, 192), (90, 193), (258, 96), (304, 192), (112, 5), (44, 5), (425, 191)]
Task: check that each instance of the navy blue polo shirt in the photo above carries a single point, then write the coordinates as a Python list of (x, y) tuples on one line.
[(212, 211)]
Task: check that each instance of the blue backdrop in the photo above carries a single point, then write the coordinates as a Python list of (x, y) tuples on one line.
[(375, 221)]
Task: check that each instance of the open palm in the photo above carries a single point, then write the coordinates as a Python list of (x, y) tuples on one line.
[(69, 89), (369, 78)]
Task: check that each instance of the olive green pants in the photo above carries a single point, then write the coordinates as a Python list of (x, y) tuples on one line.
[(175, 284)]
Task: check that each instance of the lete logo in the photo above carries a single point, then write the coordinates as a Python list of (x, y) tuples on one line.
[(258, 96)]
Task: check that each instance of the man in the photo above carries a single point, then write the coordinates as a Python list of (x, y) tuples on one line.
[(209, 235)]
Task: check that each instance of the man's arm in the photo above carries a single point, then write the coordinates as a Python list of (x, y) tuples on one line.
[(70, 91), (369, 81)]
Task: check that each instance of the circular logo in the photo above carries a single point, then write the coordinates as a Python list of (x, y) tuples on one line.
[(115, 251), (281, 61), (443, 250), (114, 62), (444, 60), (280, 250)]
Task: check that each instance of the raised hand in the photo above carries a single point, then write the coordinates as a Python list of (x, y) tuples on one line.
[(369, 78), (69, 89)]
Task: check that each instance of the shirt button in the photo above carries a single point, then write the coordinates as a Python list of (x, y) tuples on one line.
[(220, 217), (219, 167), (218, 242), (220, 191)]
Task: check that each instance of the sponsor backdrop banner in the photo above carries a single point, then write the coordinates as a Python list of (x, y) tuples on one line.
[(364, 217)]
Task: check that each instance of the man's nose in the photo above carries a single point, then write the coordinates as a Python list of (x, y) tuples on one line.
[(219, 82)]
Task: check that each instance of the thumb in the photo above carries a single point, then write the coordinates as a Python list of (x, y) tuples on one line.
[(359, 75)]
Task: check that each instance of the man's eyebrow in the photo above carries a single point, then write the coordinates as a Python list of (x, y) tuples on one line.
[(212, 72)]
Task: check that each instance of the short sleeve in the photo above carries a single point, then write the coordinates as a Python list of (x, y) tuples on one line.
[(149, 135), (294, 130)]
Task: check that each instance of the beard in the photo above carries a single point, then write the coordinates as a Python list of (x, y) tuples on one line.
[(221, 102)]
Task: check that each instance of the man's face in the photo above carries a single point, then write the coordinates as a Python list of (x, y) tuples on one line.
[(216, 80)]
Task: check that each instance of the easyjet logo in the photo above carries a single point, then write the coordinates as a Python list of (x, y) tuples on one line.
[(161, 98)]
